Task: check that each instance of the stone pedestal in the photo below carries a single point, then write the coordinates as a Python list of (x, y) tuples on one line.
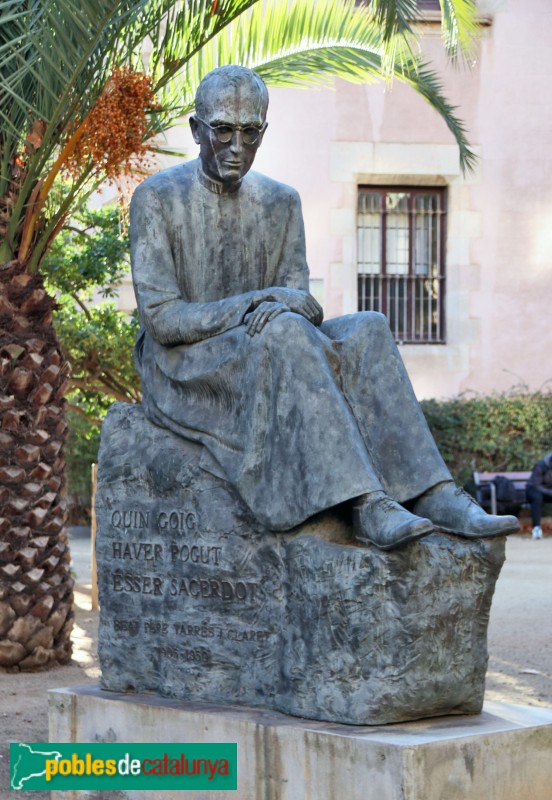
[(505, 753), (198, 601)]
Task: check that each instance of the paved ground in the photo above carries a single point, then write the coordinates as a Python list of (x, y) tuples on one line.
[(520, 647), (520, 629)]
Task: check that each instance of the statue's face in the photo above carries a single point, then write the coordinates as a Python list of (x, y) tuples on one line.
[(238, 106)]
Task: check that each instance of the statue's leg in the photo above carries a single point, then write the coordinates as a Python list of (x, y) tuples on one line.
[(378, 389), (271, 412), (396, 433), (307, 450), (316, 431)]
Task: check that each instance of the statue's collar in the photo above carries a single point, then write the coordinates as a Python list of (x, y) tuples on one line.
[(217, 187)]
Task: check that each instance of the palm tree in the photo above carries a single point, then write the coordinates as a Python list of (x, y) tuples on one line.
[(76, 103)]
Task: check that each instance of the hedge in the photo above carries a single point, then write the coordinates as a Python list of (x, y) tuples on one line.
[(502, 432)]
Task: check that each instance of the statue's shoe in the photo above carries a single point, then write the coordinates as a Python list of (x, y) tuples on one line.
[(452, 510), (381, 521)]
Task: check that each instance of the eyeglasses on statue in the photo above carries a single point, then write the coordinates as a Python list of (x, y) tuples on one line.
[(225, 133)]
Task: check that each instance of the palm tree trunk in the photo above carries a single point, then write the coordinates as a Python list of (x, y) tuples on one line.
[(36, 588)]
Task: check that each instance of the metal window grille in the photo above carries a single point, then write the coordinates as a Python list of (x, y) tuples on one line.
[(401, 269)]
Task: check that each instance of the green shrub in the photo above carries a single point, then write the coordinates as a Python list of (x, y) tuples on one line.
[(81, 451), (491, 433), (85, 265)]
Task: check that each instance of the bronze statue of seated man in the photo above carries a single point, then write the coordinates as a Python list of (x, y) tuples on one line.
[(299, 415)]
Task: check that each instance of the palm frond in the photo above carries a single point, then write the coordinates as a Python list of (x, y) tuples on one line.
[(57, 56), (398, 18), (185, 29), (460, 27), (61, 50), (395, 16), (310, 43), (428, 84)]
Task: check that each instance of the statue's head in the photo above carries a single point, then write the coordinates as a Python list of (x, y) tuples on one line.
[(229, 121)]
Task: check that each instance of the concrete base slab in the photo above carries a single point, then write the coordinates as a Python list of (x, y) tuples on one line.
[(505, 753)]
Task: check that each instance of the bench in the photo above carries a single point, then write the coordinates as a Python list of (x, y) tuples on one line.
[(486, 489)]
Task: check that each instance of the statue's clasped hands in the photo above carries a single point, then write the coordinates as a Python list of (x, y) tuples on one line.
[(257, 319), (279, 301)]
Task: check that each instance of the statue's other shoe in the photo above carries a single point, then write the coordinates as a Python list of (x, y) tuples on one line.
[(379, 520), (452, 510)]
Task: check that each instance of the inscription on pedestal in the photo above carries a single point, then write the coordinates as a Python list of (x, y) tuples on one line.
[(191, 587)]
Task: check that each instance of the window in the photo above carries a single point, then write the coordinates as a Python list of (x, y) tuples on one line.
[(401, 271)]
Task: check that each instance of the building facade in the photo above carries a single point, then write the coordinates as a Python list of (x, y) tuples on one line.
[(461, 264)]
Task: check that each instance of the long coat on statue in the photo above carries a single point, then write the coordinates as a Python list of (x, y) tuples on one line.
[(298, 418)]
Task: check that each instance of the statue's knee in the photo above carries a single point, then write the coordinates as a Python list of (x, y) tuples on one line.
[(286, 327), (371, 325), (373, 319)]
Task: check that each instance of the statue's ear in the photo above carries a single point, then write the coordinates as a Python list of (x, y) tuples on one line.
[(262, 134), (194, 125)]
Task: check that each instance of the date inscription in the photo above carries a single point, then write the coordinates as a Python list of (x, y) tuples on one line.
[(195, 655)]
